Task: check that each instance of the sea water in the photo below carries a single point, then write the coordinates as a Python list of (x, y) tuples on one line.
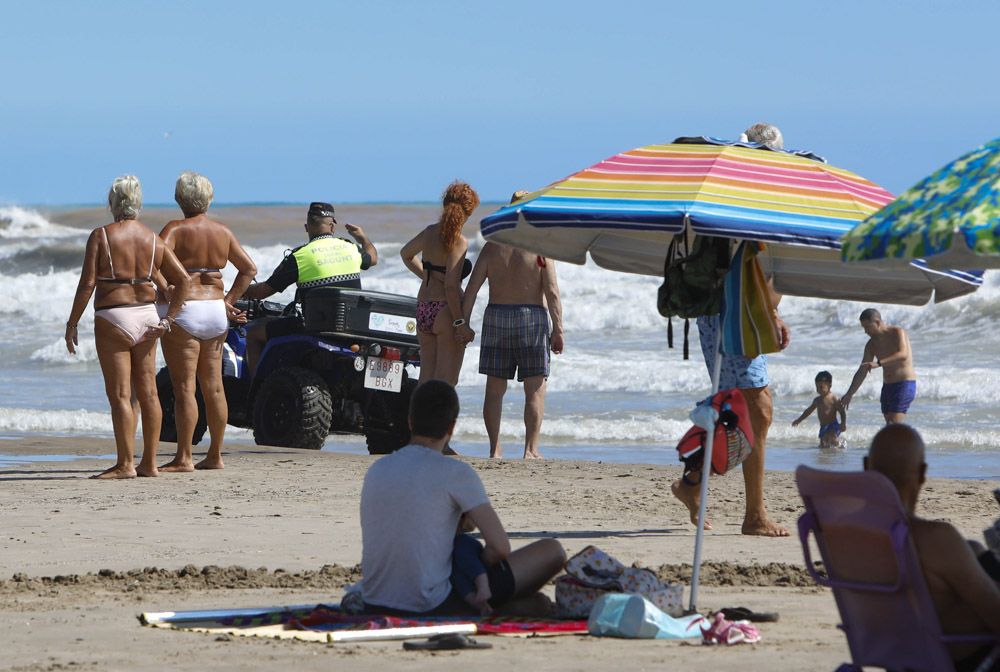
[(617, 393)]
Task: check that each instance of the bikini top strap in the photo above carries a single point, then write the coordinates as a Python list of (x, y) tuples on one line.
[(152, 259), (107, 244)]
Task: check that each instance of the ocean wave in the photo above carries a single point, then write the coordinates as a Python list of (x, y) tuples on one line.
[(56, 352), (655, 429), (639, 428), (52, 421), (44, 297), (18, 222), (78, 422)]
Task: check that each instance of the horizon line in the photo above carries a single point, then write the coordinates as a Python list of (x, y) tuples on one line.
[(238, 204)]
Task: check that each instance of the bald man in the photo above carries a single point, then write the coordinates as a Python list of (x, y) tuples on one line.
[(967, 600)]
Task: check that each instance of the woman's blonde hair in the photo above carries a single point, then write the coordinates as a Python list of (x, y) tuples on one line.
[(193, 192), (459, 200), (125, 197)]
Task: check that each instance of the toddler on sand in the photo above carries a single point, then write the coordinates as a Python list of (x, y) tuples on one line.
[(468, 574), (827, 407)]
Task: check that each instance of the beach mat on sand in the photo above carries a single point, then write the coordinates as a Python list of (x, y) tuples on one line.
[(327, 623)]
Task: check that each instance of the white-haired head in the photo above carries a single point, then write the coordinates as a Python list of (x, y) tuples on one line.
[(765, 134), (125, 197), (193, 193)]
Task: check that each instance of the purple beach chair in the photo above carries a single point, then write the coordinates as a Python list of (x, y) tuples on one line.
[(861, 530)]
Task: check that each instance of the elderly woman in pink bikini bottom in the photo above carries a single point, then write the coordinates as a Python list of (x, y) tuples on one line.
[(120, 263)]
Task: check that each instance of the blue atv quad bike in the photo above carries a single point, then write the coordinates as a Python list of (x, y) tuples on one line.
[(345, 374)]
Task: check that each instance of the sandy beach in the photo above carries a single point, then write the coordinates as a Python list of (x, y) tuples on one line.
[(80, 559)]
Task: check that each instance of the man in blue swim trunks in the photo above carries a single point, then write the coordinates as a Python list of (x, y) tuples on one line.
[(888, 348)]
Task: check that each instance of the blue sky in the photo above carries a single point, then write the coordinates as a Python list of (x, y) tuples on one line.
[(384, 101)]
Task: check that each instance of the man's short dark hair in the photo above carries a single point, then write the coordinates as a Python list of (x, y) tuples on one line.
[(824, 376), (433, 409), (870, 315)]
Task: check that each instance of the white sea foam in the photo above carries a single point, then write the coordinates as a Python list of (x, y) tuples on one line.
[(655, 429), (18, 222), (80, 421), (44, 297), (638, 428), (51, 421), (56, 352)]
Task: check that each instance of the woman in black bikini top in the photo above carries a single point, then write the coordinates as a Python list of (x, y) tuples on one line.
[(428, 266), (439, 308)]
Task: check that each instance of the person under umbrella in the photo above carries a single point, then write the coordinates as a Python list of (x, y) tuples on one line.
[(750, 376)]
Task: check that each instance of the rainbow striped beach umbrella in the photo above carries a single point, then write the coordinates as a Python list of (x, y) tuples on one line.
[(623, 211)]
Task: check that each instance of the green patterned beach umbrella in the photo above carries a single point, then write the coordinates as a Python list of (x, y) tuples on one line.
[(951, 219)]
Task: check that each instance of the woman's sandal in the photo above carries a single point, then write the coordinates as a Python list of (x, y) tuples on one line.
[(446, 642)]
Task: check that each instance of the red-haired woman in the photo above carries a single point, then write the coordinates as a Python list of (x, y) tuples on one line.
[(442, 267)]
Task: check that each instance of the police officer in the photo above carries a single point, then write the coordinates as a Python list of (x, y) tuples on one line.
[(325, 261)]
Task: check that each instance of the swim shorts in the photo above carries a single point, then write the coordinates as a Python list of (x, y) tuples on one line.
[(515, 338), (897, 397), (500, 576), (830, 427), (737, 371)]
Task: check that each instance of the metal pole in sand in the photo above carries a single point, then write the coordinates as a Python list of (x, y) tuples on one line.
[(706, 469)]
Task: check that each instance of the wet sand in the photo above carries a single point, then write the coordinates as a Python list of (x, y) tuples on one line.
[(80, 558)]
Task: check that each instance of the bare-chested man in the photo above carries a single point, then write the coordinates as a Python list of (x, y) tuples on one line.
[(888, 348), (515, 334), (966, 598)]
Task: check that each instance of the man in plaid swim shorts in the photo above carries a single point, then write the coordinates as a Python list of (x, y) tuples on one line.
[(515, 334)]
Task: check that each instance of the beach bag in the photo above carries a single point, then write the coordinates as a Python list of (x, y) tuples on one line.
[(733, 439), (749, 318), (692, 281), (592, 573), (635, 617)]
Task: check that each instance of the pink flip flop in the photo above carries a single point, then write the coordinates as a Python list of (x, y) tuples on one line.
[(721, 631)]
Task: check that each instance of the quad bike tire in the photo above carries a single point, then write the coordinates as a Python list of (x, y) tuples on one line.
[(292, 409), (168, 428), (385, 441)]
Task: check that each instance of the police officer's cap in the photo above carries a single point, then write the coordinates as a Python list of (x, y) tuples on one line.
[(319, 209)]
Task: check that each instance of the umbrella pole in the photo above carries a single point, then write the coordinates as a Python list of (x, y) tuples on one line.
[(706, 470)]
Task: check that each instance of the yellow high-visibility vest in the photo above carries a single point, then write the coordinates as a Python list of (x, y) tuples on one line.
[(327, 260)]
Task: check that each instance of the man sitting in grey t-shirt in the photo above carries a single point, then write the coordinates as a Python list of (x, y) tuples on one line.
[(411, 502)]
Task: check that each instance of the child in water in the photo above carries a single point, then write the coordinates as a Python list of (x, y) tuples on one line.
[(827, 407), (468, 574)]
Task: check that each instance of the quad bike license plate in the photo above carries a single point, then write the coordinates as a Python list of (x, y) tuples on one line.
[(384, 374)]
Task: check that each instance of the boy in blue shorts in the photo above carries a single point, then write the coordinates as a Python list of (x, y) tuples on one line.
[(827, 407)]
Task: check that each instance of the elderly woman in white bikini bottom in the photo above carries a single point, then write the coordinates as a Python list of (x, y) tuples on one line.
[(193, 349), (120, 263)]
